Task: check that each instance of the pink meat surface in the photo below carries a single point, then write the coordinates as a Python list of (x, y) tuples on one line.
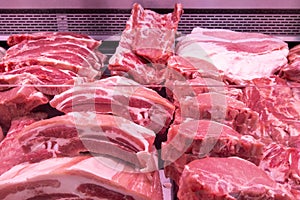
[(228, 179), (146, 44), (75, 133), (82, 177)]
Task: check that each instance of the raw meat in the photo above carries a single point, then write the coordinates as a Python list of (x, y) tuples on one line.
[(2, 52), (146, 44), (118, 96), (60, 51), (1, 134), (281, 163), (195, 139), (75, 133), (278, 108), (291, 71), (84, 39), (228, 179), (219, 108), (240, 56), (184, 68), (46, 79), (19, 123), (83, 177), (19, 101)]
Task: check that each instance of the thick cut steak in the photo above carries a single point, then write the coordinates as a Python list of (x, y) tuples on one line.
[(195, 139), (82, 177), (228, 179), (75, 133), (62, 51), (291, 71), (118, 96), (240, 56), (278, 108), (146, 44), (46, 79), (18, 101)]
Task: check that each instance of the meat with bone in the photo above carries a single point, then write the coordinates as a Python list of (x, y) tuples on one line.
[(19, 101), (195, 139), (228, 178), (82, 177), (75, 133), (278, 108), (62, 51), (291, 71), (118, 96), (240, 56), (281, 163), (46, 79), (146, 44)]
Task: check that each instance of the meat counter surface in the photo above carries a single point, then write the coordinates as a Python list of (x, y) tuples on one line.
[(215, 116)]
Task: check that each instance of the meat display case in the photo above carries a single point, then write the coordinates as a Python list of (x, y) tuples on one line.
[(105, 20)]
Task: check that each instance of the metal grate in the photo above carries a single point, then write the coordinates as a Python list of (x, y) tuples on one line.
[(274, 24), (105, 22)]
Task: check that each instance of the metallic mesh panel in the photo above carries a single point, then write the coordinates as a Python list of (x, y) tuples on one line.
[(112, 22)]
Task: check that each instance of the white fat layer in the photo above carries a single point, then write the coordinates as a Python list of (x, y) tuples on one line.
[(88, 123), (70, 172), (239, 64)]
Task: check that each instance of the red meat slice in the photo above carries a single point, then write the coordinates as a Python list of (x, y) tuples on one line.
[(46, 79), (88, 41), (118, 96), (62, 51), (230, 179), (75, 133), (82, 177)]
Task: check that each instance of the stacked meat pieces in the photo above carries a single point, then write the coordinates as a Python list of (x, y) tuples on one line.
[(69, 135), (225, 124), (235, 131)]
